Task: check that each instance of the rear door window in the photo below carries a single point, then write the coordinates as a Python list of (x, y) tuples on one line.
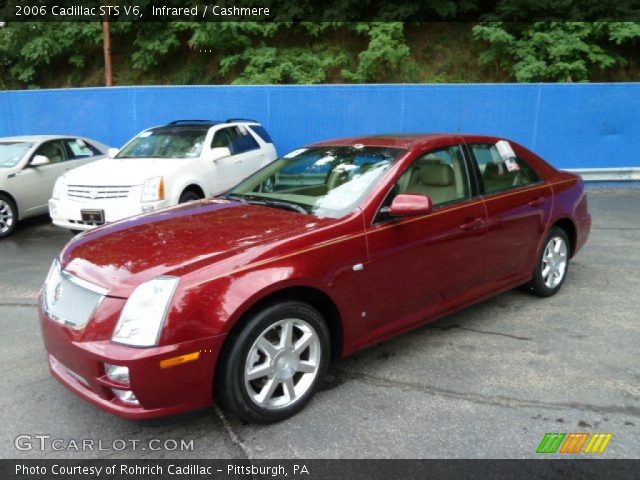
[(500, 174), (236, 139), (78, 148), (262, 133)]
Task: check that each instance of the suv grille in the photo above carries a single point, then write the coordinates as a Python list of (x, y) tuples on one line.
[(97, 193), (69, 300)]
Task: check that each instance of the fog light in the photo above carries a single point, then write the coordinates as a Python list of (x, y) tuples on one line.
[(117, 373), (126, 396)]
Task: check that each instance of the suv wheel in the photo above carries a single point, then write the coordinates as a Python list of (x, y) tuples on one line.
[(189, 196)]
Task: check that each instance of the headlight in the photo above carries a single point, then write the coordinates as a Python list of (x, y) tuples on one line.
[(59, 189), (143, 316), (153, 190)]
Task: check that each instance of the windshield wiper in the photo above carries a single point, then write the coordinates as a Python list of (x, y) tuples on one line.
[(267, 202), (276, 204)]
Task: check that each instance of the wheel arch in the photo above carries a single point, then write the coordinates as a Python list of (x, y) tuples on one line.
[(192, 187), (315, 297), (569, 227)]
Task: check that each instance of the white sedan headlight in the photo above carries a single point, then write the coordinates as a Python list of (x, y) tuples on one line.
[(153, 190), (143, 316), (59, 189)]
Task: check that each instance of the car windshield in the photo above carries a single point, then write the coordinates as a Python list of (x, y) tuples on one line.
[(323, 181), (12, 152), (166, 143)]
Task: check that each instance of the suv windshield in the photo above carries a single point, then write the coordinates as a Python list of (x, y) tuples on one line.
[(166, 143), (12, 152), (324, 181)]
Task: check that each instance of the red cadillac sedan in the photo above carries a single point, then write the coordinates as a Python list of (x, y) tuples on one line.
[(334, 247)]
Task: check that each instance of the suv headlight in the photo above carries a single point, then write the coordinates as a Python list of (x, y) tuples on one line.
[(59, 189), (144, 314), (153, 190)]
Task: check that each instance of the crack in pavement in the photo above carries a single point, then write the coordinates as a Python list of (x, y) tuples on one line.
[(449, 327), (233, 436), (18, 304), (496, 400)]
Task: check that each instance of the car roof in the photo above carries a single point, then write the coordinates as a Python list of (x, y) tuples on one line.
[(36, 138), (398, 140), (205, 123)]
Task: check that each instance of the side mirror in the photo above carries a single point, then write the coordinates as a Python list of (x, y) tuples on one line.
[(39, 161), (409, 205), (217, 153), (112, 152)]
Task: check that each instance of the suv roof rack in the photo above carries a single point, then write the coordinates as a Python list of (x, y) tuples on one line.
[(229, 120), (177, 122)]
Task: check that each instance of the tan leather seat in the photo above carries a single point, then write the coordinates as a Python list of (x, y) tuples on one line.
[(497, 177), (435, 179)]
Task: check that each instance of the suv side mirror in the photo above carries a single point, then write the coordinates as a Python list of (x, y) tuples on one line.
[(409, 205), (112, 152), (39, 161), (218, 153)]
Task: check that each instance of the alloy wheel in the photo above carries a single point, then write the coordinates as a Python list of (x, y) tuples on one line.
[(554, 262), (6, 216), (282, 364)]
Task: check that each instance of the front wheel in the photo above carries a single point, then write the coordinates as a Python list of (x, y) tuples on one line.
[(273, 366), (8, 216), (553, 264)]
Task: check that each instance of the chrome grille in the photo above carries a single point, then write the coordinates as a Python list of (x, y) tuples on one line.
[(70, 300), (97, 193)]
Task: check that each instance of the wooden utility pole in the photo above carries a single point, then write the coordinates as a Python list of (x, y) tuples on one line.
[(106, 36)]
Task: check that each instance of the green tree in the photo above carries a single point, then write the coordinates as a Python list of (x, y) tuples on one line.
[(555, 51)]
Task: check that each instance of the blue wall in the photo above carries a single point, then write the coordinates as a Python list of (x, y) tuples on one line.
[(571, 125)]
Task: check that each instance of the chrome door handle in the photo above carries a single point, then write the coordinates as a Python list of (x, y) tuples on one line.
[(472, 224), (537, 201)]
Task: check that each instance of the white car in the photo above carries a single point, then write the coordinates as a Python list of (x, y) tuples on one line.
[(183, 161), (29, 168)]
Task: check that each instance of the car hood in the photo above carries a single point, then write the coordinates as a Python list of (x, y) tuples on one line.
[(176, 240), (125, 172)]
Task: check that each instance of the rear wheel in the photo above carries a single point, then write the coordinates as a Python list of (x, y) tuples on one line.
[(274, 365), (8, 216), (189, 196), (552, 265)]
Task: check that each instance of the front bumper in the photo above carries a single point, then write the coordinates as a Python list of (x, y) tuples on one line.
[(79, 366), (67, 213)]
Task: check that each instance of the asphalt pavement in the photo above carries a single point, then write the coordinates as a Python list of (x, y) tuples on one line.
[(487, 382)]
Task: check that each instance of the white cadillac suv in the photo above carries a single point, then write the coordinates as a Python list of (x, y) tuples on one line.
[(183, 161)]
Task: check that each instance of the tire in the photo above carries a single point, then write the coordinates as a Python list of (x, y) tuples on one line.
[(554, 255), (283, 380), (8, 216), (188, 196)]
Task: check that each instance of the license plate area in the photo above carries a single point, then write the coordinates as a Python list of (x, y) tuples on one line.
[(92, 216)]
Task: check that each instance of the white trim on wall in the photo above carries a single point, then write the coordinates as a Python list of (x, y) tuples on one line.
[(607, 174)]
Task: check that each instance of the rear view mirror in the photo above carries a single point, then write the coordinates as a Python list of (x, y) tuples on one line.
[(217, 153), (40, 160), (409, 205), (112, 152)]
